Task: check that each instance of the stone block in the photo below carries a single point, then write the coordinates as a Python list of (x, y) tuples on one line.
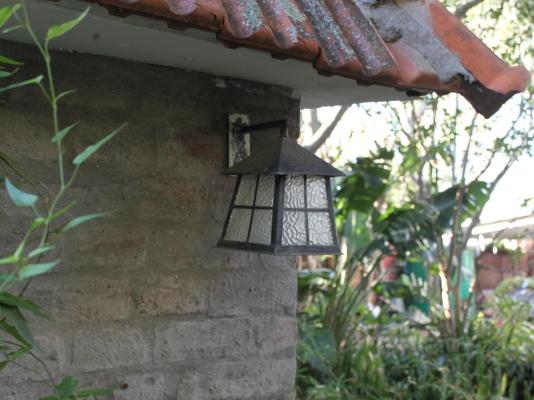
[(109, 346), (275, 336), (161, 294), (252, 291), (248, 380), (202, 340)]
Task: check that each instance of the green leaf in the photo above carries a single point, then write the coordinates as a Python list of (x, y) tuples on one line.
[(33, 81), (9, 260), (13, 356), (6, 12), (83, 394), (20, 198), (36, 269), (58, 137), (7, 74), (90, 150), (59, 30), (66, 387), (62, 211), (22, 303), (7, 60), (7, 278), (82, 220), (65, 93), (40, 250), (15, 324), (12, 28)]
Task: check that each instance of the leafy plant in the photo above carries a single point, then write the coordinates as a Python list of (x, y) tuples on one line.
[(35, 254)]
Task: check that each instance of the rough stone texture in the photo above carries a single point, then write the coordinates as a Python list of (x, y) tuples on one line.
[(143, 300)]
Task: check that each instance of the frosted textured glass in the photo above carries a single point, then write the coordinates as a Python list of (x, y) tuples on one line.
[(294, 193), (316, 192), (247, 187), (294, 228), (238, 226), (261, 227), (265, 195), (320, 229)]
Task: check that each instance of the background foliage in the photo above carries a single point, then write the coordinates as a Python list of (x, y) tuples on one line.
[(418, 196)]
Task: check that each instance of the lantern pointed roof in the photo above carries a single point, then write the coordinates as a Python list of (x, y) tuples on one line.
[(284, 156)]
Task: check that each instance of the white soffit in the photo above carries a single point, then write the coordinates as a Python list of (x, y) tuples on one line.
[(150, 41)]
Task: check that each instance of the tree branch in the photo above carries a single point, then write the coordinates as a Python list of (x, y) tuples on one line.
[(324, 132), (462, 10)]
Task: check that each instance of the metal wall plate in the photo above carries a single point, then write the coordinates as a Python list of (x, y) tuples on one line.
[(238, 145)]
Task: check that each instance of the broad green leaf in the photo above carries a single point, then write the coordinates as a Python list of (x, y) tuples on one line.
[(6, 12), (7, 60), (40, 250), (67, 387), (58, 137), (17, 325), (59, 30), (22, 303), (83, 394), (82, 220), (90, 150), (20, 198), (33, 81), (36, 269)]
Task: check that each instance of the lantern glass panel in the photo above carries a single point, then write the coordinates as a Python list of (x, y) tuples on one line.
[(260, 231), (265, 195), (294, 192), (316, 192), (238, 225), (247, 188), (294, 231), (320, 229)]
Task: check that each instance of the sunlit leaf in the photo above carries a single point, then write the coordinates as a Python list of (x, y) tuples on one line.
[(19, 198), (12, 259), (59, 30), (82, 220), (6, 12), (90, 150), (58, 137), (67, 387), (36, 269)]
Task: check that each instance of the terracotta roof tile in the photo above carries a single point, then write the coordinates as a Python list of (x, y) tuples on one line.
[(407, 44)]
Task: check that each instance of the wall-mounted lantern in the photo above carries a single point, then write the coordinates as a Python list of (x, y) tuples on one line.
[(282, 202)]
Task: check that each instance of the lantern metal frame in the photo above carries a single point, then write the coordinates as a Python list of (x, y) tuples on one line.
[(281, 158)]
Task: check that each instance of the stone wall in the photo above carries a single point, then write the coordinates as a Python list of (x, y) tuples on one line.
[(143, 300)]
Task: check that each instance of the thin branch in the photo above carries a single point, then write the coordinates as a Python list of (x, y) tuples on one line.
[(324, 132), (462, 10)]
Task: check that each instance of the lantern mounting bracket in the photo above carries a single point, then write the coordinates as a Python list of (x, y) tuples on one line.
[(240, 128), (239, 133)]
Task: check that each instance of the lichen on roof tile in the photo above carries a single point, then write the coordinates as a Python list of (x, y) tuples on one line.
[(408, 44)]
